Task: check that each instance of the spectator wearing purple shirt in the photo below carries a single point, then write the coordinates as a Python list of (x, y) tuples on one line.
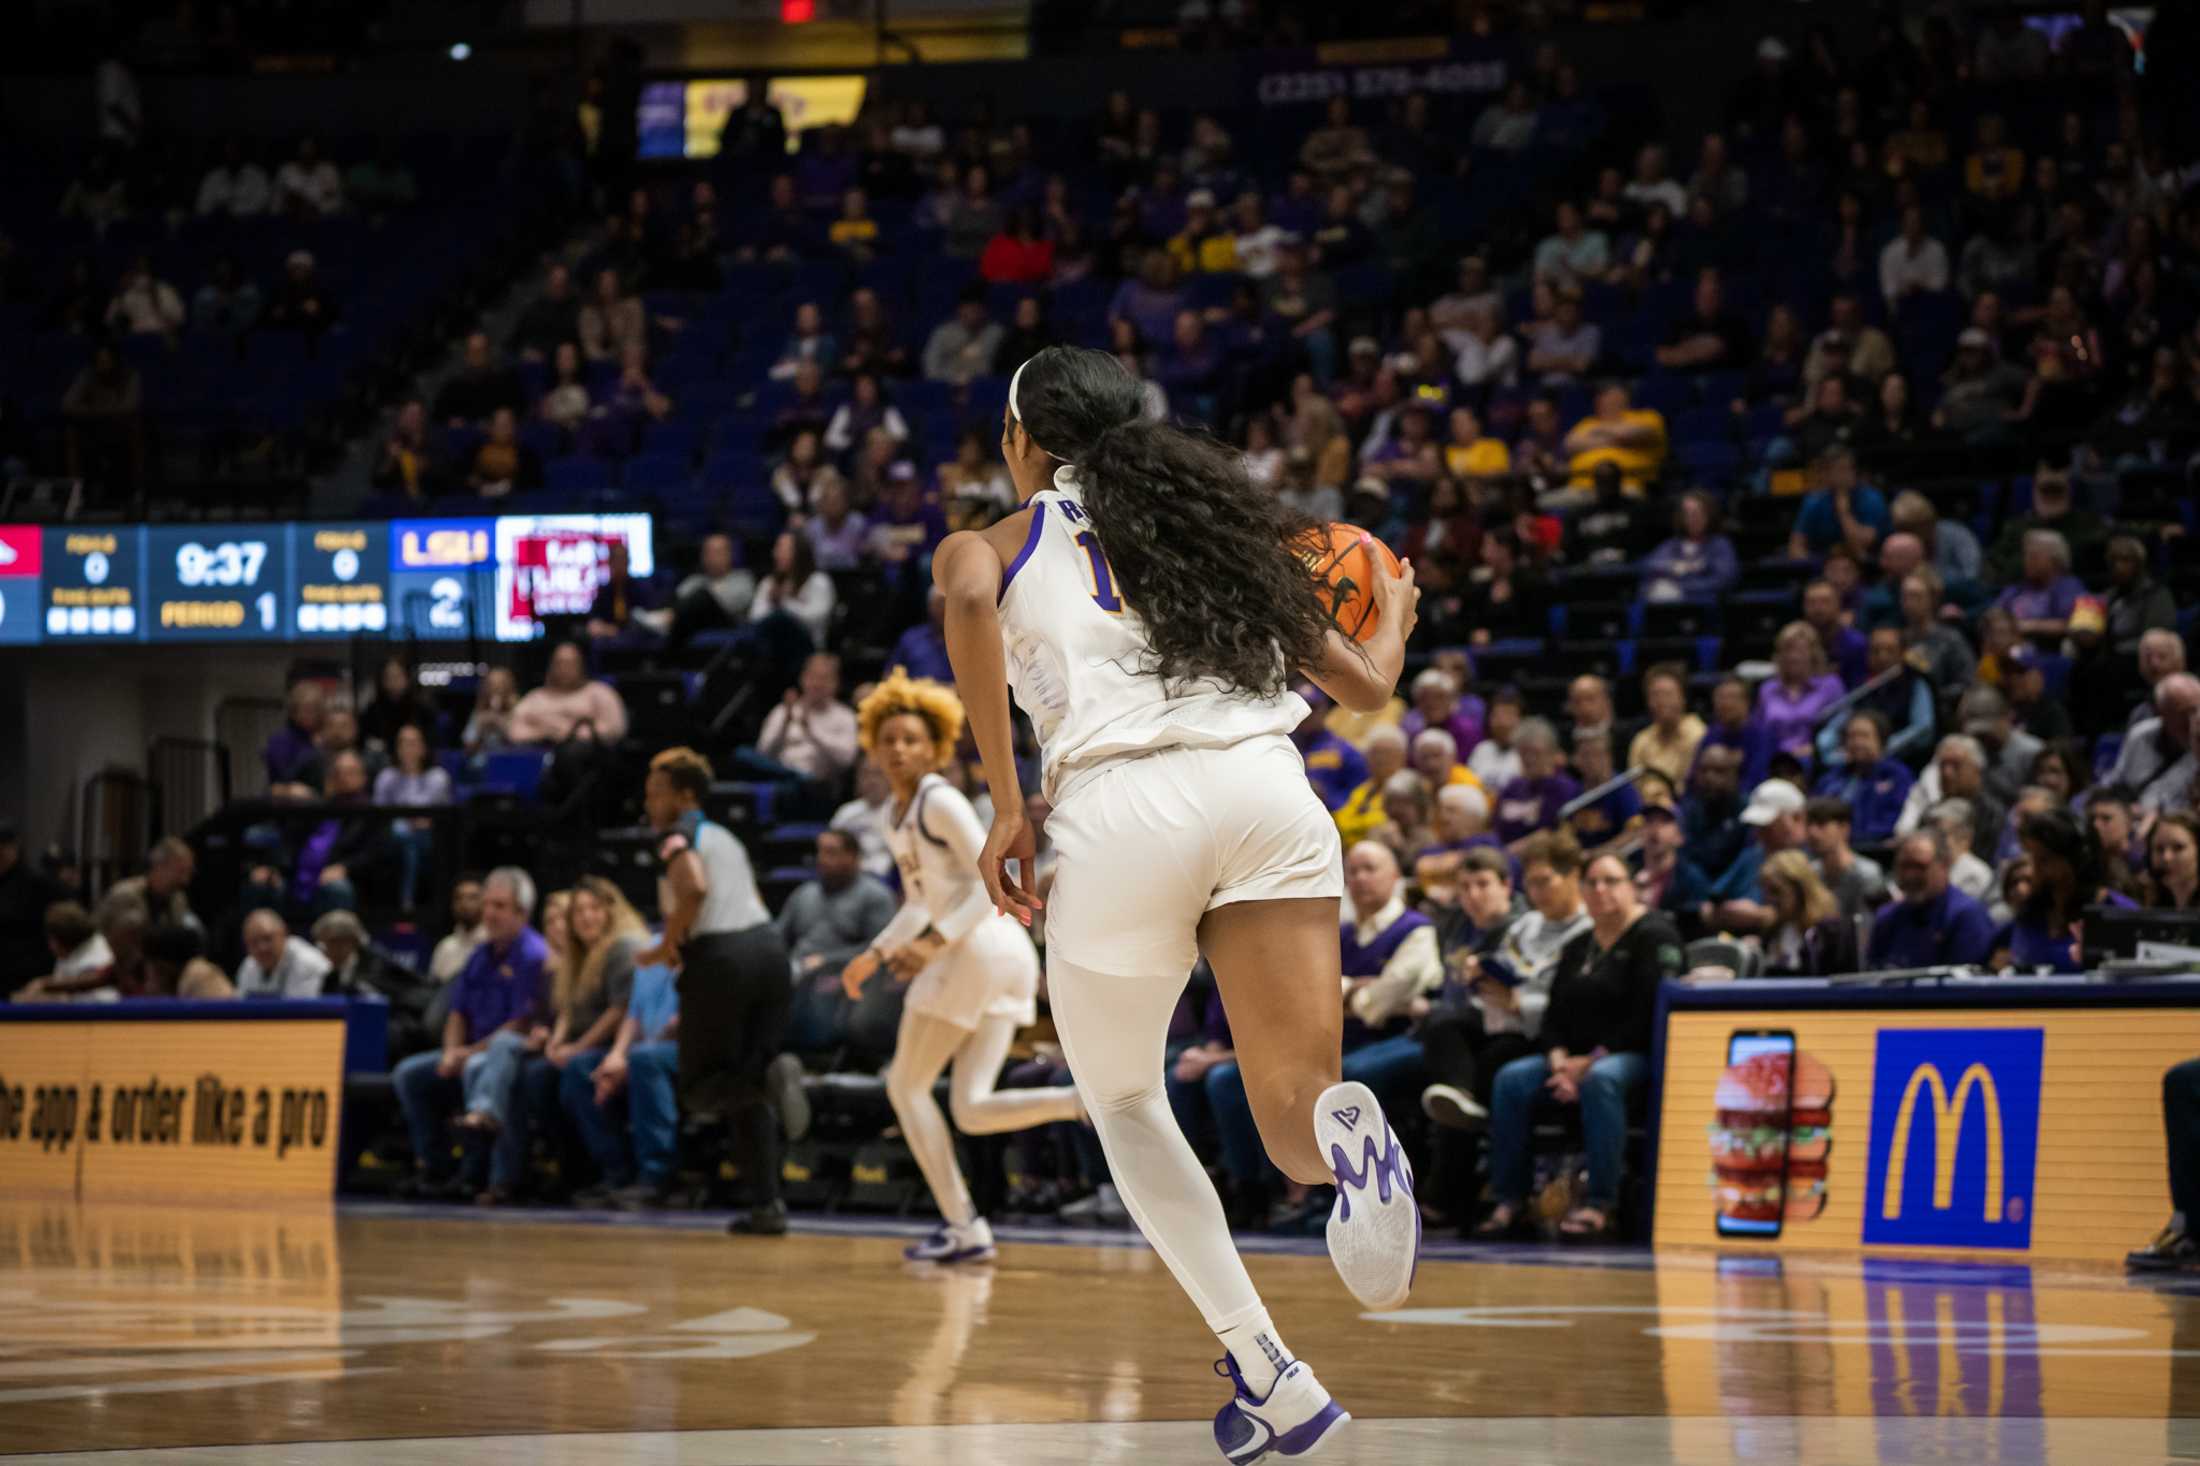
[(1731, 726), (837, 534), (494, 1023), (2069, 873), (1189, 368), (907, 524), (922, 650), (1150, 302), (1532, 801), (1698, 562), (2043, 600), (1847, 649), (1333, 766), (294, 745), (1161, 206), (1437, 703), (1793, 702)]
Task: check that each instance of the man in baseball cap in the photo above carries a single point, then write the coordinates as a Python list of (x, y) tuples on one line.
[(1737, 900)]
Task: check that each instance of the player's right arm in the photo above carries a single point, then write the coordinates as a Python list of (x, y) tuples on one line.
[(968, 568), (1363, 675)]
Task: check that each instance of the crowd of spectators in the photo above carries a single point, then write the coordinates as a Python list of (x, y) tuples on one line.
[(1840, 457)]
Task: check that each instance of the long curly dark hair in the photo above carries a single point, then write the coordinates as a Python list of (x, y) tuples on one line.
[(1203, 556), (2058, 900)]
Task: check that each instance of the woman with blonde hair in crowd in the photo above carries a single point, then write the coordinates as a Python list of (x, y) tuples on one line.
[(973, 975), (555, 929), (1318, 431), (591, 980), (1795, 699), (490, 727), (1807, 937)]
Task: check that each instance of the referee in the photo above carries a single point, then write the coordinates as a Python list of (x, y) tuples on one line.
[(735, 982)]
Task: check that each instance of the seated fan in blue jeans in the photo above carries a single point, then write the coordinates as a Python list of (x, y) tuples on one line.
[(495, 1023), (1595, 1053), (643, 1063)]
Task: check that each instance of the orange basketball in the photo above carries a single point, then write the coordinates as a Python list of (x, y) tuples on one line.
[(1346, 559)]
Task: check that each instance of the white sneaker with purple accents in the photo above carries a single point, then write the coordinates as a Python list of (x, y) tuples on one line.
[(1375, 1227), (1293, 1420)]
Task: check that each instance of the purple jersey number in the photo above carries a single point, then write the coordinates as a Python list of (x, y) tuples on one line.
[(1103, 577)]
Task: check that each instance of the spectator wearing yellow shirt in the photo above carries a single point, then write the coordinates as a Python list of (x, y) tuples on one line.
[(855, 232), (1357, 728), (1362, 813), (1206, 246), (1921, 148), (1669, 744), (1633, 438), (1995, 170), (1469, 453)]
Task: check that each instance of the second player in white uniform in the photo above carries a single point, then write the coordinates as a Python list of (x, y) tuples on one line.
[(972, 972)]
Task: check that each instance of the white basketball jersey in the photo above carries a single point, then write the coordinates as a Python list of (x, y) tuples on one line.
[(936, 843), (1075, 650)]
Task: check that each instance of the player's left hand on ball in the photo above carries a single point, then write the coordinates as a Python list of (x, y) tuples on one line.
[(1398, 599), (1010, 839)]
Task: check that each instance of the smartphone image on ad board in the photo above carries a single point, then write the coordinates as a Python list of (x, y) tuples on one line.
[(1749, 1135)]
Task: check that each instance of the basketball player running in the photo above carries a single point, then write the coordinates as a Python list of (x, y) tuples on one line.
[(1148, 609), (972, 972)]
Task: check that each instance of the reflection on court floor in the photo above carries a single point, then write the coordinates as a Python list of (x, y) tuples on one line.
[(330, 1339)]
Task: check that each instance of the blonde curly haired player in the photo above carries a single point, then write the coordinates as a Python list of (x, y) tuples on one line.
[(972, 972)]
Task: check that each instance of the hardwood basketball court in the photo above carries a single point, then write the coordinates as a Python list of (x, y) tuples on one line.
[(387, 1335)]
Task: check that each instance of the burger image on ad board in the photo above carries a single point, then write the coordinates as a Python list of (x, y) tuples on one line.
[(1770, 1136), (1810, 1138)]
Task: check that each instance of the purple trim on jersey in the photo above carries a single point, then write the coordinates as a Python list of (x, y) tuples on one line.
[(916, 815), (1031, 542)]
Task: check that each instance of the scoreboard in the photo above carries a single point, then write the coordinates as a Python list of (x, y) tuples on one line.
[(432, 578), (90, 584)]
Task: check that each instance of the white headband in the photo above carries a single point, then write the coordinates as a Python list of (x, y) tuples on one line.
[(1014, 411)]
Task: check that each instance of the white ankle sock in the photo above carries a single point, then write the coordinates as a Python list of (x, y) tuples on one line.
[(1259, 1354)]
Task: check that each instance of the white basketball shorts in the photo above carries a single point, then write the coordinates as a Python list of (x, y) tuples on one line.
[(993, 972), (1149, 845)]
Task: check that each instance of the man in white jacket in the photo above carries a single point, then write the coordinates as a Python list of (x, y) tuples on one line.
[(277, 964)]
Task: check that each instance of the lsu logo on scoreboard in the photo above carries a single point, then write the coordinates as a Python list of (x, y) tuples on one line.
[(1954, 1138)]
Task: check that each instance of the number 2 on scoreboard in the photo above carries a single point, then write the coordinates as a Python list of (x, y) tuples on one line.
[(1103, 576)]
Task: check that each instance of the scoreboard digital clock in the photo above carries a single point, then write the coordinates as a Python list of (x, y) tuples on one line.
[(204, 587), (438, 579)]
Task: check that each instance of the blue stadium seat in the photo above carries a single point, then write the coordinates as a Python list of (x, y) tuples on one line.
[(1711, 424), (676, 439), (1710, 463), (516, 771), (568, 476), (656, 473)]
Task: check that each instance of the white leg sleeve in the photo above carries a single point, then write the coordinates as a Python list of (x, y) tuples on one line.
[(980, 1109), (1114, 1032), (921, 1051)]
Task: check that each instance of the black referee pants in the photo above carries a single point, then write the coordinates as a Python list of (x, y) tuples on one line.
[(735, 994)]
